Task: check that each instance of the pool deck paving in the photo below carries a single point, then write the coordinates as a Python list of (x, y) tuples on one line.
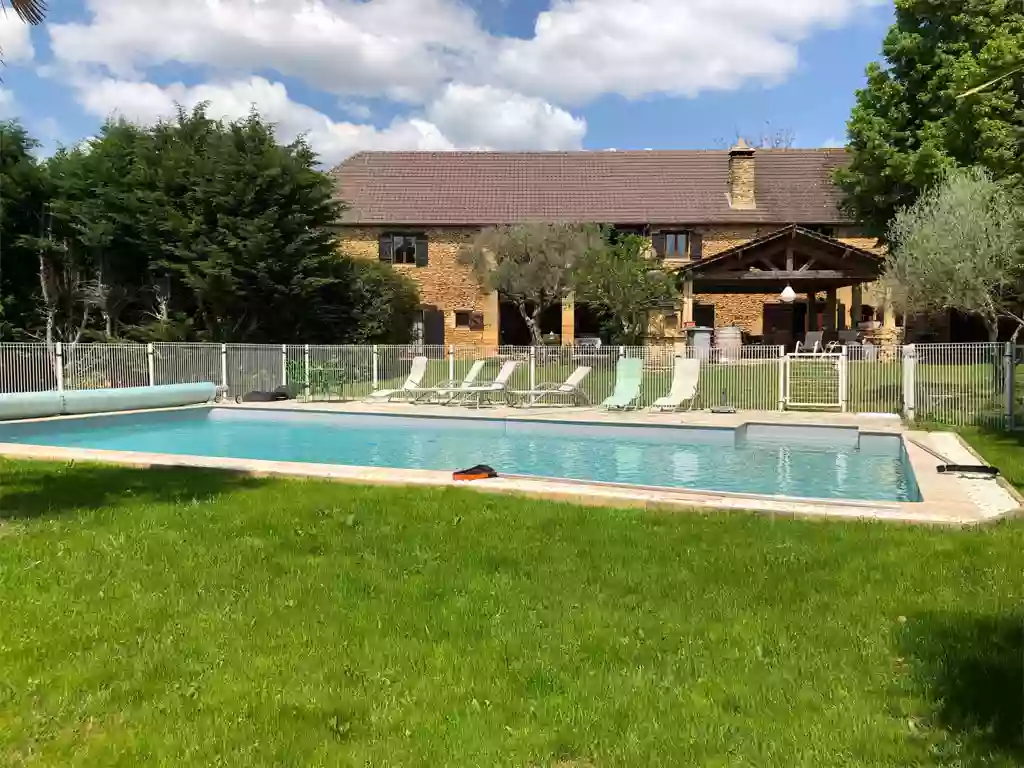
[(948, 499)]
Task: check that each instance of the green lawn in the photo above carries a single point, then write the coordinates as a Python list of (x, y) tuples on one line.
[(185, 618)]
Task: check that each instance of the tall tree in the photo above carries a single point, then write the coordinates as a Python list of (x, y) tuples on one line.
[(100, 203), (23, 196), (245, 224), (619, 278), (909, 126), (531, 265), (959, 248)]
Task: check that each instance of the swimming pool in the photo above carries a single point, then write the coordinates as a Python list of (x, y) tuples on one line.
[(810, 462)]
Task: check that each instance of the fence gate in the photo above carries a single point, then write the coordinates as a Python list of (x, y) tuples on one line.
[(815, 380)]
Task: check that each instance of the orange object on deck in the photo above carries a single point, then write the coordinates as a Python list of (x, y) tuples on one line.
[(479, 472)]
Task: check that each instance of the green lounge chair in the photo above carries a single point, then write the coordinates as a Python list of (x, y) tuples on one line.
[(629, 374)]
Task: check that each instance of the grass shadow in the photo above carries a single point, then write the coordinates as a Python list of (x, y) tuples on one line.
[(972, 667), (30, 490)]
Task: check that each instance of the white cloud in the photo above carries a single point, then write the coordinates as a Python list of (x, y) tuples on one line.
[(582, 49), (832, 141), (15, 39), (464, 117), (401, 48), (456, 83), (500, 119), (146, 103)]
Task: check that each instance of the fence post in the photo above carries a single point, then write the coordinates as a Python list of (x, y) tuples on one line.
[(1008, 382), (151, 366), (375, 359), (305, 368), (284, 365), (909, 381), (451, 362), (844, 390), (782, 377), (58, 365), (224, 365), (533, 368)]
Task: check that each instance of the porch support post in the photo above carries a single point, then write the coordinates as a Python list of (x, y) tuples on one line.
[(812, 313), (569, 320), (856, 293), (830, 310), (687, 301)]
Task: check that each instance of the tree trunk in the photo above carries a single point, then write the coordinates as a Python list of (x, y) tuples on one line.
[(992, 326), (532, 323)]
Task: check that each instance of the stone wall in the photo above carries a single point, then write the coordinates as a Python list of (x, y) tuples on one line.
[(451, 287), (443, 283)]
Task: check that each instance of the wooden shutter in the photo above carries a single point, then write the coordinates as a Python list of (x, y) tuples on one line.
[(476, 321), (696, 246), (658, 240), (421, 251), (387, 249)]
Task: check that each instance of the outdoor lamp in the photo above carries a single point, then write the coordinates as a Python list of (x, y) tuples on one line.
[(788, 294)]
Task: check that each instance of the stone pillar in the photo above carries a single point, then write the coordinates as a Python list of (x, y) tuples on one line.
[(569, 320), (492, 320), (687, 314), (830, 310), (856, 300)]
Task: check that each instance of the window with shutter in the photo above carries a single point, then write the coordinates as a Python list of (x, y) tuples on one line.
[(387, 253), (658, 240), (476, 321), (696, 246), (672, 245), (421, 251), (404, 248)]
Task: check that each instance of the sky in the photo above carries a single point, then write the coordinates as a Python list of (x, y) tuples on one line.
[(354, 75)]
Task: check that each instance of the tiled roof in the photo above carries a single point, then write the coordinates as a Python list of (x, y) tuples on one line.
[(635, 187)]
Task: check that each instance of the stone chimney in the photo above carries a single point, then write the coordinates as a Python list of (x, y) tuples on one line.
[(741, 177)]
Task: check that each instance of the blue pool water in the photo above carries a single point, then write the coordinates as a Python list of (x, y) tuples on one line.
[(794, 461)]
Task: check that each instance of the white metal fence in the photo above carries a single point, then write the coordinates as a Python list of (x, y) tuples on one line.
[(959, 384)]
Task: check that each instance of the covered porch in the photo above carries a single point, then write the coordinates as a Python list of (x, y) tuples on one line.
[(797, 265)]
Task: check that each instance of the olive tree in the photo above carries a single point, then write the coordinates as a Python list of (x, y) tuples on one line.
[(620, 278), (531, 265), (959, 248)]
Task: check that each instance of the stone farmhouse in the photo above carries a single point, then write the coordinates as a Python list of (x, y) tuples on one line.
[(742, 225)]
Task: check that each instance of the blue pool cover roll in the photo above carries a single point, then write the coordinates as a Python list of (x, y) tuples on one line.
[(26, 405), (30, 405)]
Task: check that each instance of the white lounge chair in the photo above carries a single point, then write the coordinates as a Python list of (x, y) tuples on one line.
[(477, 395), (419, 370), (448, 389), (570, 388), (685, 378)]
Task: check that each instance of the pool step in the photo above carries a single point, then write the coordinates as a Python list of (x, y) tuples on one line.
[(775, 434)]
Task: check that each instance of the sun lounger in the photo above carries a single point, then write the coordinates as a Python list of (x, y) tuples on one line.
[(448, 389), (477, 395), (811, 343), (570, 388), (419, 370), (685, 379), (629, 374)]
